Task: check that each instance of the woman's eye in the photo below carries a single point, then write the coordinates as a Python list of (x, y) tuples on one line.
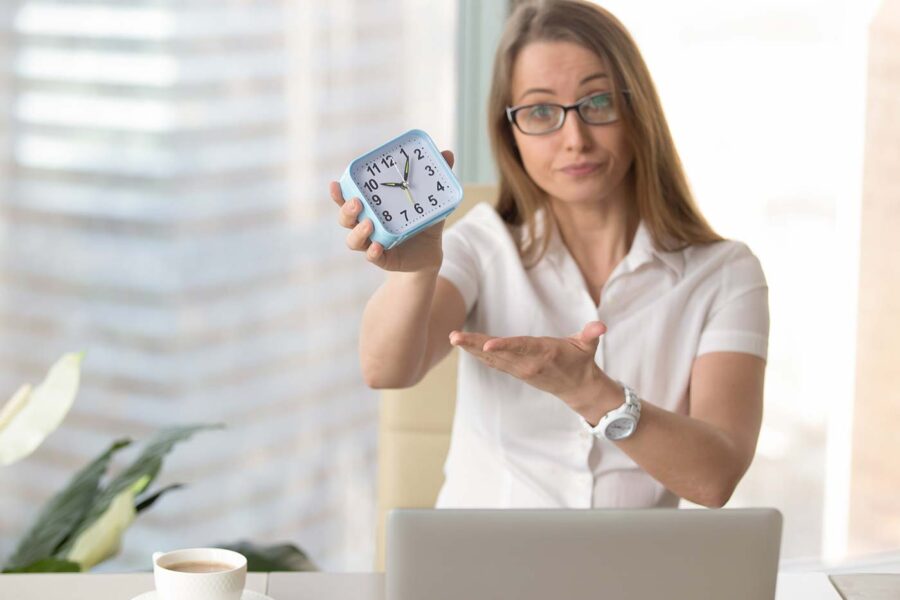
[(600, 101), (540, 112)]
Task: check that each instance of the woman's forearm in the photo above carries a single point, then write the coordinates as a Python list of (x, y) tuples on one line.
[(394, 331), (691, 458)]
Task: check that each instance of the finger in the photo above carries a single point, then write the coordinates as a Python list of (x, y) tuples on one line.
[(493, 360), (521, 345), (375, 254), (448, 156), (358, 238), (349, 213), (469, 339), (334, 188), (473, 343)]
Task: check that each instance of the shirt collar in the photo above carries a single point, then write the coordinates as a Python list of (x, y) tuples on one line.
[(642, 249)]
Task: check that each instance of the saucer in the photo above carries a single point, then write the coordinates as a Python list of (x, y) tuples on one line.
[(245, 595)]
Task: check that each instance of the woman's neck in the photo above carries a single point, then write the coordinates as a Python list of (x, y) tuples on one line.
[(597, 234)]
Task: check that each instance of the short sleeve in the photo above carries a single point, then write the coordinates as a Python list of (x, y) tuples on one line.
[(461, 266), (738, 320)]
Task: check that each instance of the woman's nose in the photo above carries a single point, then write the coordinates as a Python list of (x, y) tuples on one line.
[(576, 137)]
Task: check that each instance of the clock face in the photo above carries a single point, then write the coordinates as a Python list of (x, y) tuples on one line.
[(405, 183)]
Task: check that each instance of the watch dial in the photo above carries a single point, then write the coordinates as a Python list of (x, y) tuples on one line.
[(620, 428), (404, 183)]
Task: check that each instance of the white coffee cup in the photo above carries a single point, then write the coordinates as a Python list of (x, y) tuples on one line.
[(225, 584)]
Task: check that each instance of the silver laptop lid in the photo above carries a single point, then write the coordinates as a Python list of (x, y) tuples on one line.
[(677, 554)]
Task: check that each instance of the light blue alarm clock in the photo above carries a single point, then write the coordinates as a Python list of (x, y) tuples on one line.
[(405, 186)]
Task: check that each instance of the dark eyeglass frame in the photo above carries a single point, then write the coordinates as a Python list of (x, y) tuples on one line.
[(511, 111)]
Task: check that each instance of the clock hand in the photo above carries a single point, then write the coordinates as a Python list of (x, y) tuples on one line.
[(392, 184), (400, 174), (406, 171), (404, 185)]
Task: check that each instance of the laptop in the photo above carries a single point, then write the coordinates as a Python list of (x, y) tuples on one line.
[(550, 554)]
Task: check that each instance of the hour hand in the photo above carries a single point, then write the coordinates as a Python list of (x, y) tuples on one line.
[(392, 184)]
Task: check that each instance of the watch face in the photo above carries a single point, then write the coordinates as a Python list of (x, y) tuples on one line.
[(405, 182), (620, 428)]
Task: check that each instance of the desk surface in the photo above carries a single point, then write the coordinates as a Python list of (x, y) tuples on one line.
[(295, 586)]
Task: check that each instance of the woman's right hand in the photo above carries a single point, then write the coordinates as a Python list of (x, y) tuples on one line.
[(422, 252)]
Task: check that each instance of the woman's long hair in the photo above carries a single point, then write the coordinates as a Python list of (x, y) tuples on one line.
[(664, 199)]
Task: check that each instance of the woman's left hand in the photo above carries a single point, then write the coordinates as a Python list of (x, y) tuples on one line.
[(564, 367)]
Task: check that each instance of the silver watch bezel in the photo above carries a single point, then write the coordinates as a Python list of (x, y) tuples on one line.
[(630, 409)]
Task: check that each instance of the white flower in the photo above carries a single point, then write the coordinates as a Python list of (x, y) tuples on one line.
[(32, 414), (104, 537)]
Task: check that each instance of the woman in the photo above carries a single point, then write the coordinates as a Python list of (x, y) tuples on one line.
[(594, 231)]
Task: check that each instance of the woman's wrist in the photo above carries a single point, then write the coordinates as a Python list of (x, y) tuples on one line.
[(597, 398), (425, 275)]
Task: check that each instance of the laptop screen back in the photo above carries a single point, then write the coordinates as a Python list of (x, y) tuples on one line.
[(677, 554)]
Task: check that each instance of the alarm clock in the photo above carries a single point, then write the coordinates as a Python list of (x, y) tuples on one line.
[(405, 186)]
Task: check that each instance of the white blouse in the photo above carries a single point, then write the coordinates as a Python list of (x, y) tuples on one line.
[(515, 446)]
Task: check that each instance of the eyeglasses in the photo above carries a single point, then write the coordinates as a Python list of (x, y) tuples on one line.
[(547, 117)]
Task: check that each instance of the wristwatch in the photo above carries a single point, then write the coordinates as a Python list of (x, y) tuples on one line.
[(621, 422)]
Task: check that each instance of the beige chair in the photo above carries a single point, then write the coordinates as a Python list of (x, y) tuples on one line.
[(414, 426)]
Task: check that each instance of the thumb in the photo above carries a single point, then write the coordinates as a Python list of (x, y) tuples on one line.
[(448, 156), (591, 333)]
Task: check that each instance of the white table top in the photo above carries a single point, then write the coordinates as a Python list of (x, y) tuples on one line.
[(295, 586), (89, 586)]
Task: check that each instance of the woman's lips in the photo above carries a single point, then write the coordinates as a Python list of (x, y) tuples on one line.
[(581, 169)]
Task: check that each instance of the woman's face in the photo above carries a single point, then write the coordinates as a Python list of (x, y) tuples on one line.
[(578, 163)]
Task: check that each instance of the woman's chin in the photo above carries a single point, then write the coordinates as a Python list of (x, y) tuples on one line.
[(580, 196)]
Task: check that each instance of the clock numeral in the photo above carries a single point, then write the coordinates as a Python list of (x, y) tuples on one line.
[(387, 216), (387, 161), (418, 208), (419, 155), (403, 152), (371, 185), (440, 187), (432, 199), (376, 200), (373, 169), (403, 212), (430, 170)]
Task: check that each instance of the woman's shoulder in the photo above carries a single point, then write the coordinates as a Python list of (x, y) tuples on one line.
[(731, 259), (481, 216), (723, 250), (482, 227)]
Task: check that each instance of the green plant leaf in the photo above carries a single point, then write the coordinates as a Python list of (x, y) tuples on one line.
[(31, 415), (148, 501), (48, 565), (62, 514), (144, 469), (279, 557), (103, 538)]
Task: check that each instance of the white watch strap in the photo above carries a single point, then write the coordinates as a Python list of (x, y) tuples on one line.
[(631, 397)]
